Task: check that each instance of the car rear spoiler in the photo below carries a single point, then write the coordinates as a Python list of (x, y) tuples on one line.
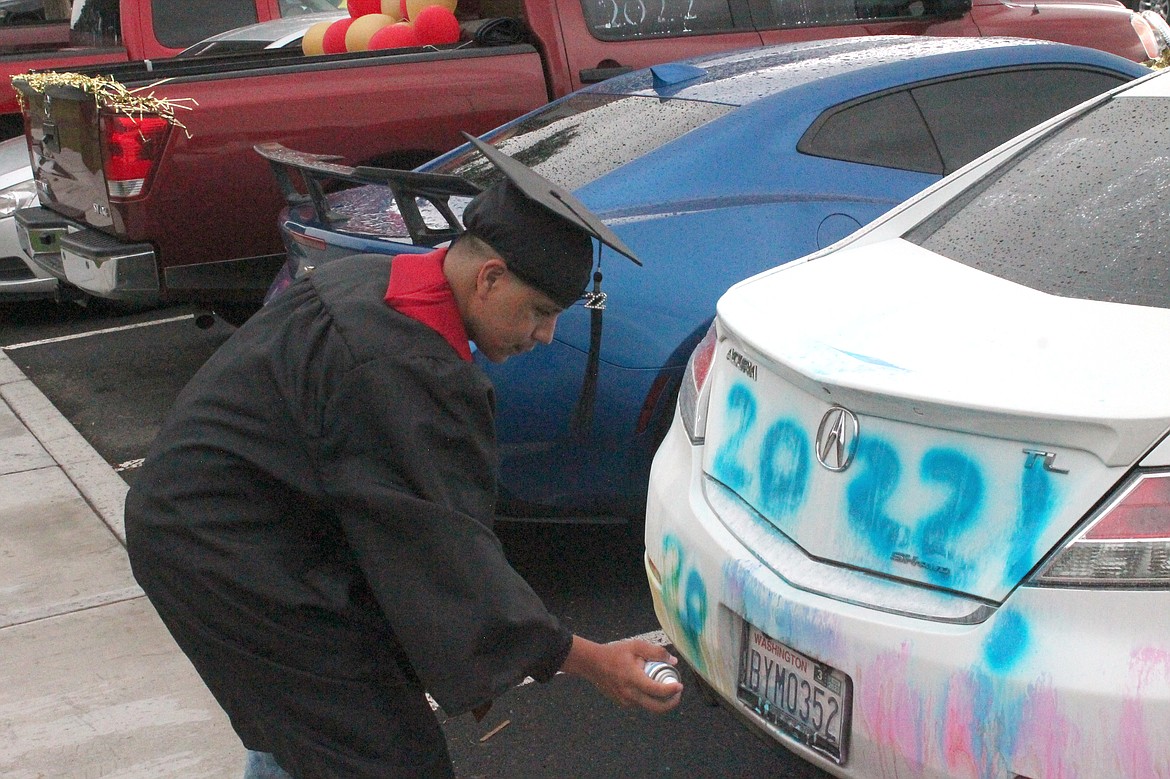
[(302, 177)]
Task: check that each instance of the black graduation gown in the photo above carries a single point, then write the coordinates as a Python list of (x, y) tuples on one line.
[(313, 524)]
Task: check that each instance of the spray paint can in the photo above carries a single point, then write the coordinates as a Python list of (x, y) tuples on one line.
[(662, 672)]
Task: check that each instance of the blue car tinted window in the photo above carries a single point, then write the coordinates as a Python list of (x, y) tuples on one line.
[(578, 140), (1081, 215), (970, 116), (937, 127), (886, 130)]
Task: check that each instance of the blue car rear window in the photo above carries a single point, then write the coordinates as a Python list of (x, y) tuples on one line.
[(1080, 215), (580, 139)]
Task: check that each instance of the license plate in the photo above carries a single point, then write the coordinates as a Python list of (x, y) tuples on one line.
[(806, 699)]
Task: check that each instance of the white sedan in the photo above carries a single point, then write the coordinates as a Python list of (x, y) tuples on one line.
[(913, 515)]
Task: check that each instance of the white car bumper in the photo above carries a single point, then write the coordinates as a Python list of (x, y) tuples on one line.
[(1051, 683)]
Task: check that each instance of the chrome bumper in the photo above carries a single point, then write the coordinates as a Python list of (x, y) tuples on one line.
[(90, 260)]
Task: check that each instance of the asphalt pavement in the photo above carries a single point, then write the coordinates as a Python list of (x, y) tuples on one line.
[(94, 686)]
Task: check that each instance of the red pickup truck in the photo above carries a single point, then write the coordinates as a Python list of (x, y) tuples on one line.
[(62, 35), (138, 209)]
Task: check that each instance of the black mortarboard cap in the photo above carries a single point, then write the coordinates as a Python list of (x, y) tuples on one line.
[(543, 250), (553, 197), (545, 253)]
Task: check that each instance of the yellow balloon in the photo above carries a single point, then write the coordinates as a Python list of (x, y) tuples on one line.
[(414, 6), (393, 9), (312, 42), (357, 37)]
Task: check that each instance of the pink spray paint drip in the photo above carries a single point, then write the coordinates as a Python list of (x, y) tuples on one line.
[(959, 725), (1137, 759), (891, 711), (1046, 735)]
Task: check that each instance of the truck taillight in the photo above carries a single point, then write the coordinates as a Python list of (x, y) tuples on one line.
[(1127, 544), (131, 148)]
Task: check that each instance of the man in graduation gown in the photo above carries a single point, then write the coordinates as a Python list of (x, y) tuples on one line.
[(313, 522)]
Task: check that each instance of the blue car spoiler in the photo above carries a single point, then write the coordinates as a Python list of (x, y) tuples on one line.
[(302, 179)]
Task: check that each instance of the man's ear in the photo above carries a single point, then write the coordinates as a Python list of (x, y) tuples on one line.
[(491, 272)]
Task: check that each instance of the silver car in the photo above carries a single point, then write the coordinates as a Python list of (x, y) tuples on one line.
[(20, 279)]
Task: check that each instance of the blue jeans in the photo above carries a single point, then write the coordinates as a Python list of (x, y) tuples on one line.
[(262, 765)]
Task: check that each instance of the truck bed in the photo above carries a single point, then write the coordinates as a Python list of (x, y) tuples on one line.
[(281, 62)]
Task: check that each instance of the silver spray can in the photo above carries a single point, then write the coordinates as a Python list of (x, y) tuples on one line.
[(661, 672)]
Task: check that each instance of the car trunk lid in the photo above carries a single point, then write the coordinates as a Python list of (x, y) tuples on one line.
[(964, 424)]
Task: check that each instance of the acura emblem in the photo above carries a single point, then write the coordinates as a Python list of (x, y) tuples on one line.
[(837, 438)]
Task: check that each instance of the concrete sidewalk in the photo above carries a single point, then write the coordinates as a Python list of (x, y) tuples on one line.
[(93, 685)]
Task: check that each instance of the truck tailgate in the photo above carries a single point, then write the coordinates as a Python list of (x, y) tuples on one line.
[(66, 153)]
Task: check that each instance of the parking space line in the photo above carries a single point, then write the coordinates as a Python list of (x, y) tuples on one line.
[(103, 331)]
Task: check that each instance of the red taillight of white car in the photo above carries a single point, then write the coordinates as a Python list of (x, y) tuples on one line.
[(131, 148), (692, 400), (1126, 545)]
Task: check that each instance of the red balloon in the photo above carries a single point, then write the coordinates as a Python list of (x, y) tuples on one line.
[(358, 8), (402, 7), (395, 36), (334, 40), (436, 24)]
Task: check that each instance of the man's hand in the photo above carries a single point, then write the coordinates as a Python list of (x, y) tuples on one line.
[(617, 670)]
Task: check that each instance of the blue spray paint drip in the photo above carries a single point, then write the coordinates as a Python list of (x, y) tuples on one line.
[(784, 458), (1007, 642), (775, 477), (868, 494), (741, 414), (965, 496), (693, 615), (1037, 501), (931, 544), (784, 466), (871, 360), (688, 606)]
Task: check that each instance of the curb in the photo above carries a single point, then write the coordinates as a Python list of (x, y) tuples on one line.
[(101, 487)]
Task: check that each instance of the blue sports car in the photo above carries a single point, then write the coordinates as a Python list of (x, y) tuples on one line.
[(711, 169)]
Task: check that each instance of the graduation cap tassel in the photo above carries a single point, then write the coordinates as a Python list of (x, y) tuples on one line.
[(583, 413)]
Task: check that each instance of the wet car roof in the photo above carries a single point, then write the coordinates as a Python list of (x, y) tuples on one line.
[(782, 69)]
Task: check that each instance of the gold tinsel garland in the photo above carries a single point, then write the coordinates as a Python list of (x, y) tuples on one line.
[(108, 94)]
